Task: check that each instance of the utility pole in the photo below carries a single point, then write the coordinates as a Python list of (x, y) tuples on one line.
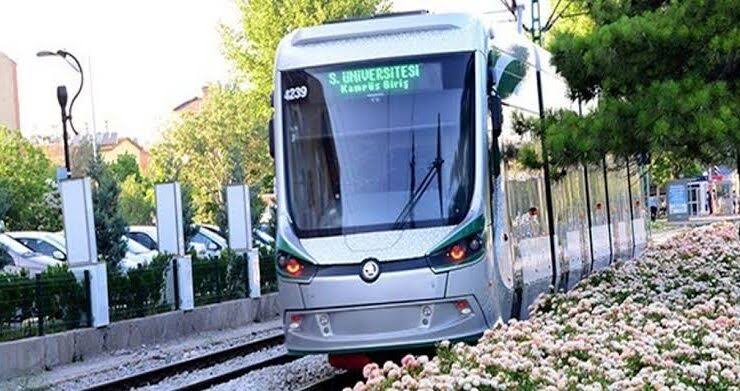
[(92, 110), (537, 38)]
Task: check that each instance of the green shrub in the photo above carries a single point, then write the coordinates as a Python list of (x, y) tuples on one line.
[(55, 296), (219, 278), (140, 291), (17, 293), (62, 298)]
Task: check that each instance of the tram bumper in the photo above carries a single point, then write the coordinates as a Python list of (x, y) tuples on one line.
[(383, 326)]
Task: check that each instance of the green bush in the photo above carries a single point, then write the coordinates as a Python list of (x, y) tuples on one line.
[(55, 296), (17, 293), (219, 278), (62, 297), (140, 291)]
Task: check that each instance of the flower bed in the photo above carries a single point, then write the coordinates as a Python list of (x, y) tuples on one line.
[(668, 321)]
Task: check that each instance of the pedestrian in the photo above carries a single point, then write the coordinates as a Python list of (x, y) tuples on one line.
[(653, 204)]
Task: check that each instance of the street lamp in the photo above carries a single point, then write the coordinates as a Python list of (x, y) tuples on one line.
[(62, 99)]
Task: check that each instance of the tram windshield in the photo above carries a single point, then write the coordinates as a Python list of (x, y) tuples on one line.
[(380, 145)]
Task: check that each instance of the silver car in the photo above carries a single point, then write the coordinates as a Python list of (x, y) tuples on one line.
[(16, 256), (53, 244)]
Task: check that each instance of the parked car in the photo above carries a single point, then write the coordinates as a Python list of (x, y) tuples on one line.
[(16, 256), (53, 244), (213, 242), (260, 237), (205, 242)]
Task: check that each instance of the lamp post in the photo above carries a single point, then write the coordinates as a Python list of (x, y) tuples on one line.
[(62, 99)]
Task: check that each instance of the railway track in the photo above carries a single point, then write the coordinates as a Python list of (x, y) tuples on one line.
[(224, 377), (156, 375)]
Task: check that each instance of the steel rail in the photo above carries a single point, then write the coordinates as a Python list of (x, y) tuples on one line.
[(225, 377), (158, 374)]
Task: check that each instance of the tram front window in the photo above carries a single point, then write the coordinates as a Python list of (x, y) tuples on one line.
[(381, 145)]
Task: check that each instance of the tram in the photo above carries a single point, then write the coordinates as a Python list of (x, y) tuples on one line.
[(403, 217)]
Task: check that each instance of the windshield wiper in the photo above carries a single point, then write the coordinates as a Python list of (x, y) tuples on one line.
[(435, 169)]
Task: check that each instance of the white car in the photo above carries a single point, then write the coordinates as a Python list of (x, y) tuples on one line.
[(53, 244), (205, 242), (17, 256)]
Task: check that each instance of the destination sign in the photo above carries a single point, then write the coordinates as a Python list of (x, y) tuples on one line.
[(375, 79)]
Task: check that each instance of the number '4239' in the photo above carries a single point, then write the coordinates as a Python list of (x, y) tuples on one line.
[(295, 93)]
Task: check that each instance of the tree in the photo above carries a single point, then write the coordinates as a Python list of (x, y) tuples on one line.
[(49, 208), (189, 229), (110, 227), (137, 200), (264, 22), (665, 74), (82, 155), (137, 192), (217, 146), (226, 141), (24, 171), (125, 166)]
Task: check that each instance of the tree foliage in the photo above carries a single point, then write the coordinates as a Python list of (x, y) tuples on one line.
[(124, 166), (24, 183), (110, 227), (137, 191), (217, 146), (81, 156), (264, 22), (665, 74), (225, 142), (137, 200)]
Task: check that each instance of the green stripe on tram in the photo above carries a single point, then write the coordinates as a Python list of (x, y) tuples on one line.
[(475, 225)]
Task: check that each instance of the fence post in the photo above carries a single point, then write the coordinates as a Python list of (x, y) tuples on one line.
[(217, 279), (88, 298), (39, 305), (245, 268), (175, 283), (254, 280)]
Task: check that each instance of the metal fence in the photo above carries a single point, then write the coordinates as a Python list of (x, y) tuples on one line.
[(221, 278), (46, 303), (142, 291)]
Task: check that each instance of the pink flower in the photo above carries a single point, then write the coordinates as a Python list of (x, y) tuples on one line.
[(369, 369), (408, 361)]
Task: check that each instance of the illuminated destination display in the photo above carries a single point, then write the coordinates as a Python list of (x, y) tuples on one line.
[(375, 79)]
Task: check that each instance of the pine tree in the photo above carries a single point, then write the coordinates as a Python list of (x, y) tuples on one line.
[(665, 74), (110, 227)]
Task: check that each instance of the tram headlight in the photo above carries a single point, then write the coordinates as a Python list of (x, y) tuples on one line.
[(294, 268), (462, 252)]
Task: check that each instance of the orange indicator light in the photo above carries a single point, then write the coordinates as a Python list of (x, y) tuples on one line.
[(293, 267), (456, 253)]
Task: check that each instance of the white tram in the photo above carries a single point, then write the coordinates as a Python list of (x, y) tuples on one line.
[(400, 221)]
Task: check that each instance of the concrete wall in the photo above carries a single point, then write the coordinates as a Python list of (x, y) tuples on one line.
[(35, 354)]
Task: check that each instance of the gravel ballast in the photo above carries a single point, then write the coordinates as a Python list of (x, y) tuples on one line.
[(291, 376), (127, 362)]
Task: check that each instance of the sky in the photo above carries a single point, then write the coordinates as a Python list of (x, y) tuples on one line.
[(144, 57)]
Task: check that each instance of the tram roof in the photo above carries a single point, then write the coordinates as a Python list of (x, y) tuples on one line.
[(386, 37)]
